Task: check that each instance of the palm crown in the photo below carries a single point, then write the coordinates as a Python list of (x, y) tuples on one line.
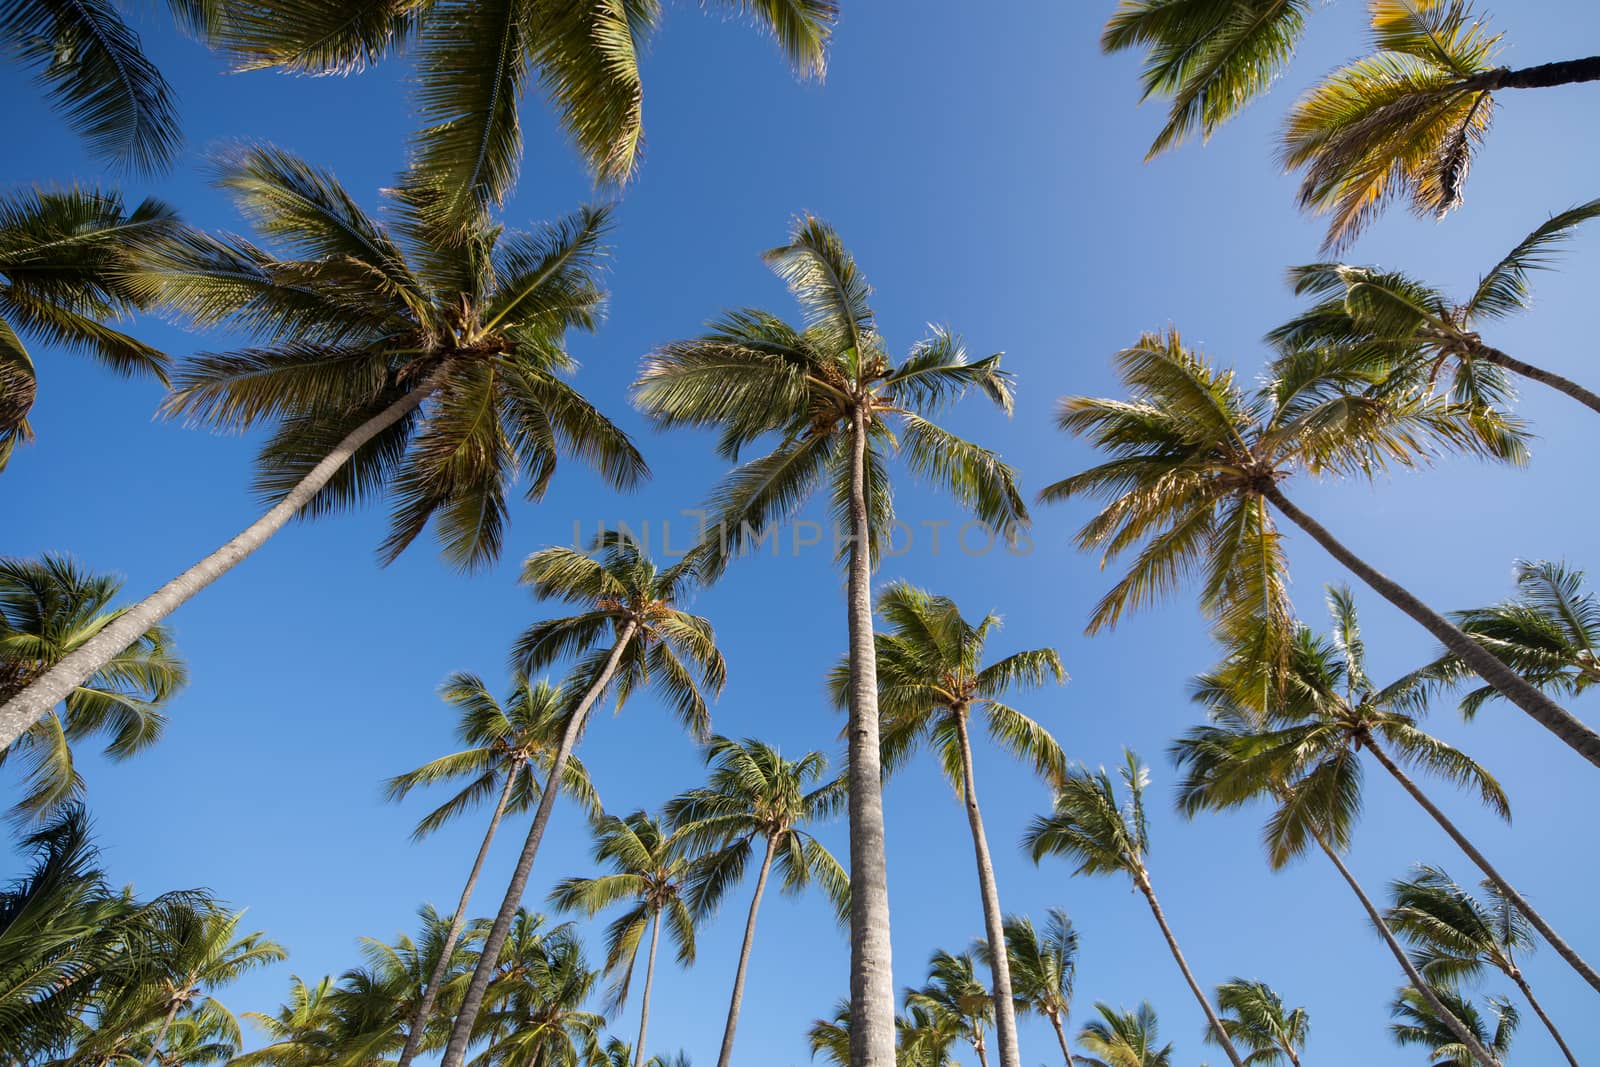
[(954, 992), (1417, 1023), (1255, 1017), (1456, 935), (1044, 965), (1124, 1039)]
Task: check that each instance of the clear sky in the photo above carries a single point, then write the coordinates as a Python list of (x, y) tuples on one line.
[(984, 164)]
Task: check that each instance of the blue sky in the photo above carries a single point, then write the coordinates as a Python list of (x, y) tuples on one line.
[(985, 167)]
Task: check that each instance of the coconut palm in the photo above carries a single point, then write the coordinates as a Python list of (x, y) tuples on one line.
[(50, 607), (953, 991), (199, 1038), (1195, 466), (926, 1034), (1095, 829), (830, 394), (65, 260), (1407, 120), (631, 634), (755, 793), (1043, 968), (1124, 1039), (931, 679), (1415, 332), (507, 745), (652, 872), (1255, 1016), (831, 1036), (381, 347), (1456, 936), (537, 1018), (1418, 1024)]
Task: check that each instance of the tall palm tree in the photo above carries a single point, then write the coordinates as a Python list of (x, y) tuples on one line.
[(381, 347), (538, 1019), (1095, 829), (1124, 1039), (1044, 968), (953, 991), (631, 634), (830, 394), (1417, 1023), (1456, 936), (652, 872), (931, 679), (1195, 467), (475, 60), (66, 256), (507, 745), (754, 793), (1415, 332), (48, 608), (1407, 120), (1255, 1016)]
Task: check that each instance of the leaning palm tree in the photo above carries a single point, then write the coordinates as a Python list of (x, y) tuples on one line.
[(381, 348), (954, 992), (1043, 967), (50, 607), (1417, 1023), (652, 872), (755, 793), (631, 634), (931, 680), (1093, 828), (507, 746), (831, 395), (1124, 1039), (1255, 1016), (1457, 936), (1195, 467), (1407, 120)]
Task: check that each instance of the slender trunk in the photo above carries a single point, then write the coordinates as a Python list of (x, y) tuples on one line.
[(52, 687), (161, 1034), (1005, 1008), (871, 975), (455, 1052), (1142, 880), (726, 1056), (1583, 396), (1061, 1036), (1538, 1009), (1546, 75), (1564, 950), (983, 1053), (1445, 1015), (1511, 685), (649, 978), (458, 921)]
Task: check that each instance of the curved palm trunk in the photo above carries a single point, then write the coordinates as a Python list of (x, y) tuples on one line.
[(1061, 1036), (1564, 950), (1583, 396), (458, 922), (161, 1034), (1538, 1009), (1142, 880), (455, 1053), (871, 974), (1507, 682), (52, 687), (649, 979), (1445, 1015), (1547, 75), (726, 1056), (1005, 1008)]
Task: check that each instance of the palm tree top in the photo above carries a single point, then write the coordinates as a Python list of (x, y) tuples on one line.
[(1455, 933), (1124, 1039), (1417, 1024), (1255, 1017), (1092, 825)]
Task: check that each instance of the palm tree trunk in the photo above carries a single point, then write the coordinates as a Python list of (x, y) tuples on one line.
[(1538, 1009), (161, 1034), (1142, 880), (1546, 75), (983, 1053), (455, 1052), (726, 1056), (1555, 381), (649, 978), (458, 921), (1005, 1008), (1511, 685), (1564, 950), (52, 687), (871, 969), (1445, 1015), (1061, 1036)]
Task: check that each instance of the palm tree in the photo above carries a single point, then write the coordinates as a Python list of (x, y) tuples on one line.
[(65, 260), (1124, 1039), (1255, 1016), (1043, 968), (1456, 936), (753, 792), (954, 992), (1092, 827), (830, 393), (830, 1036), (380, 352), (509, 742), (631, 603), (202, 1037), (926, 1034), (652, 871), (1414, 331), (538, 1018), (930, 680), (1407, 120), (48, 608), (1194, 463), (1418, 1024), (475, 60)]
